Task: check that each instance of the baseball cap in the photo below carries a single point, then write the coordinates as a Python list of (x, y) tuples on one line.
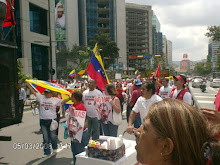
[(47, 90), (137, 82), (181, 78)]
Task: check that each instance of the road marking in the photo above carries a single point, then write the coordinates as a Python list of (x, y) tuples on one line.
[(203, 93), (205, 97), (41, 160), (204, 102), (215, 90)]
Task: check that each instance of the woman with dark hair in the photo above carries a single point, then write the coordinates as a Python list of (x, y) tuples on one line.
[(175, 133), (74, 126), (113, 105)]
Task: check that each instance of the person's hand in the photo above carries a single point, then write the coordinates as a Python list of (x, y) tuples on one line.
[(130, 129), (12, 8), (212, 114)]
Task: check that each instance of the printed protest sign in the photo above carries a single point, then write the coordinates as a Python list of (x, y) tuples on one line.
[(75, 122), (104, 108)]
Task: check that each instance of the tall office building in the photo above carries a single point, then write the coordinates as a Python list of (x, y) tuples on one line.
[(38, 34), (164, 56), (214, 47), (107, 16), (33, 37), (139, 36), (157, 37), (169, 52)]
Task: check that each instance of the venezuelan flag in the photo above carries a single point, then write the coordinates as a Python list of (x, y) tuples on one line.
[(41, 85), (72, 73), (80, 73), (136, 73), (96, 69)]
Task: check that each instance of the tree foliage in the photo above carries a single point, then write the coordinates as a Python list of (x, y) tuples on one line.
[(204, 68), (214, 33), (108, 47), (21, 76), (67, 60)]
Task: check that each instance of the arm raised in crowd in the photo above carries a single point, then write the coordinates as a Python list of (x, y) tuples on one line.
[(30, 87)]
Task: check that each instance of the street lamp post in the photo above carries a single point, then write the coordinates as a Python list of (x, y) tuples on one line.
[(51, 70)]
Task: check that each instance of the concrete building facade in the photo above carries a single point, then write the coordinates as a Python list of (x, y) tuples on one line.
[(214, 47), (36, 35), (169, 52), (139, 36)]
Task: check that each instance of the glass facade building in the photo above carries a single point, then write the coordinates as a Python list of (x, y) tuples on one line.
[(38, 19), (99, 17), (40, 61)]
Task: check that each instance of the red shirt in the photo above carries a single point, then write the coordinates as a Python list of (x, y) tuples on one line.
[(134, 97), (7, 21), (119, 91), (80, 106)]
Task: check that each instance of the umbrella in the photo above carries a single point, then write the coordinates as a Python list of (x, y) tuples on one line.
[(48, 85)]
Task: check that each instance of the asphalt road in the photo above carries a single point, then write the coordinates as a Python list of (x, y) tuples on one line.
[(204, 99)]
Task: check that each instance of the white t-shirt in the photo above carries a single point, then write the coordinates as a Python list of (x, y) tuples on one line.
[(187, 98), (3, 1), (142, 105), (165, 92), (88, 100), (48, 106)]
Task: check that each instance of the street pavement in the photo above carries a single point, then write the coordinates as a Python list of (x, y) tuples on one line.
[(26, 140), (26, 137)]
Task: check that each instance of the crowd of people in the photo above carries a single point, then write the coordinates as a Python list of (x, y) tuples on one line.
[(159, 112)]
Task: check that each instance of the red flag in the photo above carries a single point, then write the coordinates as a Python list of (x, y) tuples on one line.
[(157, 73)]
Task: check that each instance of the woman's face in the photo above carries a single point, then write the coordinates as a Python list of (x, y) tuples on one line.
[(148, 145)]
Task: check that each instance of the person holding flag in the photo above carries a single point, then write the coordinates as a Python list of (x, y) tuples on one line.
[(48, 105)]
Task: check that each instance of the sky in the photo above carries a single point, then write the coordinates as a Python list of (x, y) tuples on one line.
[(184, 22)]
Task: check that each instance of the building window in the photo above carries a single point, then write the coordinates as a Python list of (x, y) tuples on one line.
[(40, 61), (38, 19)]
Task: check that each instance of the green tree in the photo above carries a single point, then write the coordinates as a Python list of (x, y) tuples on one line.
[(67, 60), (214, 33), (21, 76), (108, 47), (218, 63)]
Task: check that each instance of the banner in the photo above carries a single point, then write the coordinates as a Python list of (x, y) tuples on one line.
[(60, 20), (75, 123), (104, 108)]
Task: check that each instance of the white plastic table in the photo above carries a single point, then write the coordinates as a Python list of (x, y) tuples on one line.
[(128, 159)]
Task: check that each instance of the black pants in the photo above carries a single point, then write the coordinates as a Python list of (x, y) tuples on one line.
[(19, 114)]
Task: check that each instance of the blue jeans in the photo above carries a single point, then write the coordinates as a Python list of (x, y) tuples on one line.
[(48, 135), (110, 129), (93, 128), (137, 122), (79, 147)]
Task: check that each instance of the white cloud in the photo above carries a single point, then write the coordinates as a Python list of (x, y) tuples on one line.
[(185, 23)]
